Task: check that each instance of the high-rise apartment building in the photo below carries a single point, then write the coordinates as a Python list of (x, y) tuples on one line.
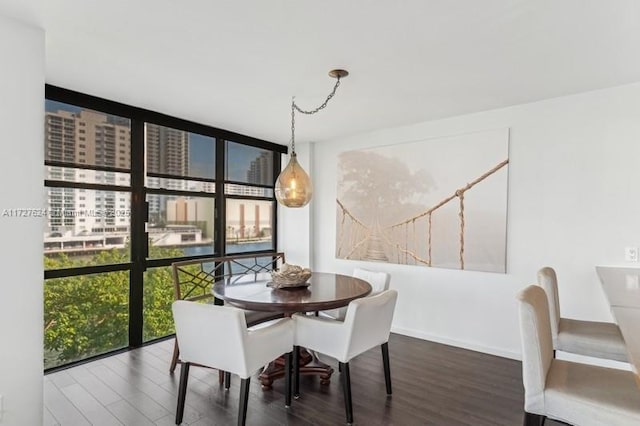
[(87, 138), (261, 169), (167, 152)]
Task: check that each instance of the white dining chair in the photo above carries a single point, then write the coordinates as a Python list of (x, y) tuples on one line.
[(217, 336), (192, 280), (590, 338), (575, 393), (379, 282), (366, 325)]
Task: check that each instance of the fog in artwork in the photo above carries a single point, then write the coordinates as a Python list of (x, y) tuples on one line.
[(438, 202)]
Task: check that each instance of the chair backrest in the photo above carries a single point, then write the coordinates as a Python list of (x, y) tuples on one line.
[(211, 335), (368, 322), (537, 346), (379, 280), (548, 280), (192, 279), (253, 263)]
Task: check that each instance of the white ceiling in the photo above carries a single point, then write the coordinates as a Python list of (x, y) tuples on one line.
[(236, 64)]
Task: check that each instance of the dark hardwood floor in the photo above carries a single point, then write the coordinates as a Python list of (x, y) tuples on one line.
[(433, 384)]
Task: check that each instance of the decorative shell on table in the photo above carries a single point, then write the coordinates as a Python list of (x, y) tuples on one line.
[(290, 276)]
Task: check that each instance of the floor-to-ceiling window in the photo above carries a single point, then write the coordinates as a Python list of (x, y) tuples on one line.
[(128, 192)]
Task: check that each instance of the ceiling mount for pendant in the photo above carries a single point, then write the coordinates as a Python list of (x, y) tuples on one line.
[(293, 187), (338, 73)]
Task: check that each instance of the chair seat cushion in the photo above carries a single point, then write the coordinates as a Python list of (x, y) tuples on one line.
[(256, 317), (587, 395), (596, 339)]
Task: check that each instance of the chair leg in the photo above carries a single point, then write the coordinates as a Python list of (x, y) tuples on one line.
[(387, 369), (346, 387), (296, 372), (220, 377), (287, 379), (174, 357), (531, 419), (227, 380), (182, 391), (244, 399)]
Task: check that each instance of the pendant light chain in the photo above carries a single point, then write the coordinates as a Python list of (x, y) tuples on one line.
[(293, 125), (295, 108), (324, 104)]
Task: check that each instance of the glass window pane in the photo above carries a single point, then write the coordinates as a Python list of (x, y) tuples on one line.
[(247, 191), (179, 153), (249, 225), (180, 184), (70, 174), (248, 164), (86, 227), (81, 136), (180, 226), (84, 316), (158, 296)]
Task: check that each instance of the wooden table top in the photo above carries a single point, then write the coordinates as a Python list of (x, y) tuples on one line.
[(326, 291)]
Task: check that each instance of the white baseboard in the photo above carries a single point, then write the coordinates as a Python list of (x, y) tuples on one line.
[(457, 343)]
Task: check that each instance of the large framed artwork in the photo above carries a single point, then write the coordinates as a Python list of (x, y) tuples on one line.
[(438, 202)]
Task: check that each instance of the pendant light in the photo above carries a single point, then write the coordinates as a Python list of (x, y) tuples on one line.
[(293, 187)]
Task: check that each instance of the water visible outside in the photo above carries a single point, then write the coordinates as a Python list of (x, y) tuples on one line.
[(231, 248)]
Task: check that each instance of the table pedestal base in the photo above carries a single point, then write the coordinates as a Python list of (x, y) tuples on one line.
[(309, 364)]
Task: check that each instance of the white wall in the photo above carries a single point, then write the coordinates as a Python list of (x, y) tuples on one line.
[(574, 203), (21, 180)]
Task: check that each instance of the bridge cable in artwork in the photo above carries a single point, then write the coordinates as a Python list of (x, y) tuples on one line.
[(361, 234)]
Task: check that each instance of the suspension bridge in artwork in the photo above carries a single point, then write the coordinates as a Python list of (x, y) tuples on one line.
[(357, 240)]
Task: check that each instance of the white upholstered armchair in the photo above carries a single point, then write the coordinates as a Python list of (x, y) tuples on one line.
[(217, 336), (575, 393), (379, 282), (590, 338), (367, 324)]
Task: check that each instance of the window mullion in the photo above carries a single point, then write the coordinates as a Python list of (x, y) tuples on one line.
[(220, 207), (139, 243)]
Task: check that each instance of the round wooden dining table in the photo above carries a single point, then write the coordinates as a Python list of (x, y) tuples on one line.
[(324, 291)]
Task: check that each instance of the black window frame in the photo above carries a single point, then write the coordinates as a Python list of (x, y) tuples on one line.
[(139, 244)]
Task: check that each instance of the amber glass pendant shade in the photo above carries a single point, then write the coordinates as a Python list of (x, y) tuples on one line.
[(293, 187)]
